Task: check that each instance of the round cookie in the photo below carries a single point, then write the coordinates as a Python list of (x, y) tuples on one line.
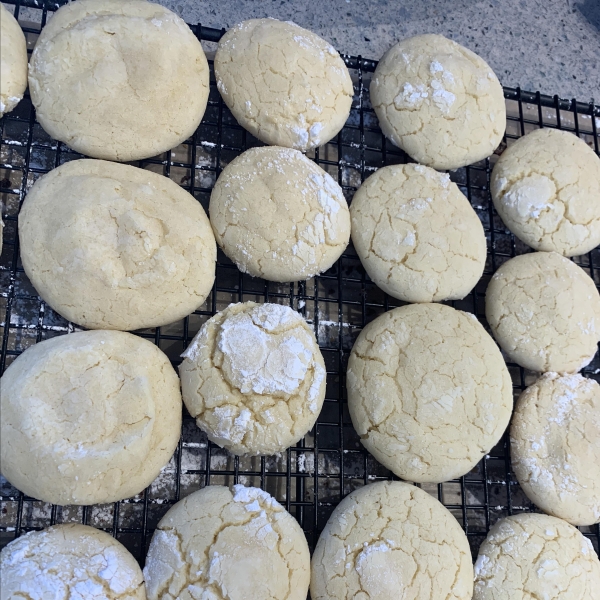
[(118, 80), (391, 540), (546, 189), (218, 544), (278, 215), (254, 378), (529, 556), (284, 84), (417, 235), (438, 101), (555, 446), (13, 62), (544, 311), (428, 391), (88, 418), (111, 246), (69, 561)]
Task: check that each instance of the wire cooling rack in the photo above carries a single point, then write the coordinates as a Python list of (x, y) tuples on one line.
[(311, 478)]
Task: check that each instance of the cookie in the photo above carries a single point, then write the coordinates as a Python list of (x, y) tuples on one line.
[(254, 378), (118, 80), (284, 84), (544, 311), (69, 561), (111, 246), (546, 189), (279, 216), (555, 445), (417, 235), (438, 101), (13, 62), (391, 540), (428, 391), (88, 418), (219, 544), (536, 556)]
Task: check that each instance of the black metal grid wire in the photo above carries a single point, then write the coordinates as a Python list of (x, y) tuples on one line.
[(311, 478)]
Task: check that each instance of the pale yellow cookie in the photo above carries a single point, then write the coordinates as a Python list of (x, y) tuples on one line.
[(254, 378), (417, 235), (544, 311), (555, 446), (530, 556), (13, 61), (278, 215), (546, 189), (438, 101), (69, 561), (88, 418), (217, 545), (111, 246), (284, 84), (118, 80), (428, 391), (391, 540)]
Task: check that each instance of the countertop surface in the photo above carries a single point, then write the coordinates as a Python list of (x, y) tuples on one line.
[(551, 46)]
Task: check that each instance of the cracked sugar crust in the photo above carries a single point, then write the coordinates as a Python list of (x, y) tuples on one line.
[(417, 235), (118, 80), (283, 83), (254, 378), (111, 246), (391, 540), (13, 62), (222, 545), (546, 189), (544, 311), (428, 391), (536, 557), (88, 418), (438, 101), (69, 561), (555, 445), (278, 215)]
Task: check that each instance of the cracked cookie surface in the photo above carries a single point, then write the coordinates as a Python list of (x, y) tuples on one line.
[(530, 556), (417, 235), (391, 540), (278, 215), (69, 561), (544, 311), (438, 101), (111, 246), (555, 445), (13, 62), (88, 418), (254, 378), (283, 83), (221, 545), (118, 80), (428, 391), (546, 189)]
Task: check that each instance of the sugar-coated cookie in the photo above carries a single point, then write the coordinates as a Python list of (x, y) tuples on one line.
[(438, 101), (391, 540), (217, 544), (13, 62), (428, 391), (254, 378), (544, 311), (284, 84), (416, 234)]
